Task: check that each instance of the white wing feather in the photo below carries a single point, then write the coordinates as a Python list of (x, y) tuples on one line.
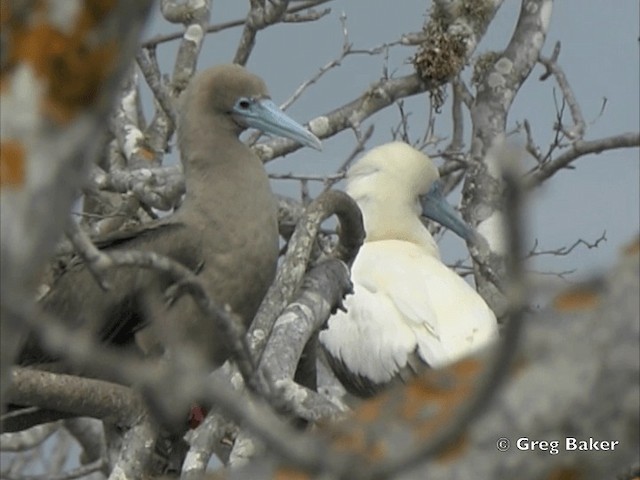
[(406, 300)]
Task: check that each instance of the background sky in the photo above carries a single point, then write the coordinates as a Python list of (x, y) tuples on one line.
[(599, 56)]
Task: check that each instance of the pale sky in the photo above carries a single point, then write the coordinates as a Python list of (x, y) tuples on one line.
[(600, 59)]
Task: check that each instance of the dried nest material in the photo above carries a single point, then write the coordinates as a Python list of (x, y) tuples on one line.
[(482, 65), (438, 95), (441, 56)]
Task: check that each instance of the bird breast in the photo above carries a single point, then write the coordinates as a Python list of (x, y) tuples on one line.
[(405, 300)]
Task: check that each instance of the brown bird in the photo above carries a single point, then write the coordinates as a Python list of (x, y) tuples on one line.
[(225, 230)]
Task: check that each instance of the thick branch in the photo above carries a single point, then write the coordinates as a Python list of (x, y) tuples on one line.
[(75, 395), (65, 109), (482, 201), (294, 264), (321, 293)]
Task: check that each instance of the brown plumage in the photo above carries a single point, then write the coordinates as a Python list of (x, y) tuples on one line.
[(226, 228)]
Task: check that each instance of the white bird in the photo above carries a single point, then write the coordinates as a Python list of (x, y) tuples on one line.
[(407, 307)]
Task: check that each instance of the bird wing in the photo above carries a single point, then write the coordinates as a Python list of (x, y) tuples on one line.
[(387, 317), (408, 301), (118, 313), (133, 238), (448, 317), (394, 272)]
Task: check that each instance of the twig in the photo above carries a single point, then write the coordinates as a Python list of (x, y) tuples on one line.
[(96, 261), (361, 140), (307, 177), (579, 149), (260, 16), (563, 251), (551, 64), (151, 72), (226, 25), (457, 118), (352, 114)]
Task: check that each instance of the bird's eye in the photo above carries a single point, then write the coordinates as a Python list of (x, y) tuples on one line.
[(243, 104)]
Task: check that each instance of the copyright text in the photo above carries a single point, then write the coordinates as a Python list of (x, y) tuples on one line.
[(553, 447)]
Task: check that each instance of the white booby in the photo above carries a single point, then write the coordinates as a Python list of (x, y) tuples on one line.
[(408, 308)]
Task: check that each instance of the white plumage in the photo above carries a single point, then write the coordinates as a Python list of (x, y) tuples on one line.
[(407, 305)]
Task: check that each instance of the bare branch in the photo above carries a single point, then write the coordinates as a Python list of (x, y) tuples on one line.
[(457, 116), (310, 16), (259, 17), (347, 50), (563, 251), (54, 137), (294, 264), (195, 17), (206, 439), (377, 97), (151, 71), (160, 188), (75, 395), (321, 292), (361, 139), (482, 204), (579, 125), (124, 125), (89, 433), (136, 451), (579, 149), (226, 25)]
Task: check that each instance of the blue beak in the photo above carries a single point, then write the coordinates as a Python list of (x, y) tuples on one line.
[(436, 207), (265, 115)]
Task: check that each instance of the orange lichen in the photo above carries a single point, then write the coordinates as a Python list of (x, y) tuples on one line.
[(443, 391), (286, 473), (424, 405), (565, 474), (355, 441), (12, 163), (583, 298), (519, 365), (72, 65), (146, 154), (632, 248), (453, 451), (371, 410)]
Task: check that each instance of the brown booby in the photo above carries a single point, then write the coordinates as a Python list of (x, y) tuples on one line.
[(225, 230)]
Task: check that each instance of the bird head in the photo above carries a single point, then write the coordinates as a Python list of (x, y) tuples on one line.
[(238, 100), (394, 184), (392, 167)]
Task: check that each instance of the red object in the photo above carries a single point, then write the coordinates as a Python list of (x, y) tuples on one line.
[(196, 416)]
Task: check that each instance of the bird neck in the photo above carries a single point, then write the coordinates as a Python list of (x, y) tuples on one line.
[(385, 220), (217, 166)]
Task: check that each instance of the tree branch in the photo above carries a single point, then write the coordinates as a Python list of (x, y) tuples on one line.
[(579, 149)]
